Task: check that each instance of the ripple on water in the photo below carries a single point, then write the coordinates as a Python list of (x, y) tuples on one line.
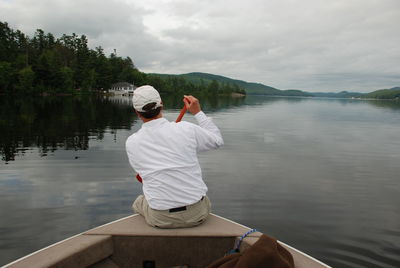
[(352, 252)]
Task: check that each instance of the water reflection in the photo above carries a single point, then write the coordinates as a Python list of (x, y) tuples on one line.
[(386, 104), (57, 122), (68, 123)]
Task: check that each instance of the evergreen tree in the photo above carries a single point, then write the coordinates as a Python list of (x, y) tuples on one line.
[(25, 80), (5, 76), (213, 88), (66, 79)]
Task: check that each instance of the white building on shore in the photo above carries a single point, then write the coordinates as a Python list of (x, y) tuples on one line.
[(122, 88)]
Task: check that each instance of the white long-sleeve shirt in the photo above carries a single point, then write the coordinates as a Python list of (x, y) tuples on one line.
[(165, 155)]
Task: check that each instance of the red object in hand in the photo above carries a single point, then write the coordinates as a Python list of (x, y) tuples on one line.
[(180, 116), (139, 178)]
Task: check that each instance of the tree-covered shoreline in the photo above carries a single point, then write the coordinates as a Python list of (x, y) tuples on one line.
[(384, 94), (44, 65)]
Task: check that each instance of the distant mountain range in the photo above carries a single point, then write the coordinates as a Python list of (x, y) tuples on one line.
[(342, 94), (251, 88), (261, 89), (391, 93)]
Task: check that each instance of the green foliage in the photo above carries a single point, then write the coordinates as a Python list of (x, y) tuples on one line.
[(66, 79), (251, 88), (295, 92), (213, 87), (5, 75), (45, 64), (25, 79), (226, 84), (384, 94), (58, 65), (89, 81), (176, 84)]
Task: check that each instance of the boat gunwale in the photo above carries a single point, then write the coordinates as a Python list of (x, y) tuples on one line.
[(60, 242)]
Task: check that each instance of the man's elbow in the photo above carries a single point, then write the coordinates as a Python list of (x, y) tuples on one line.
[(219, 142)]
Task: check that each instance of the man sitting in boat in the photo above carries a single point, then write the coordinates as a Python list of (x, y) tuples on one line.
[(165, 155)]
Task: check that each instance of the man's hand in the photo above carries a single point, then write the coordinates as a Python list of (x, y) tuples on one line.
[(192, 104)]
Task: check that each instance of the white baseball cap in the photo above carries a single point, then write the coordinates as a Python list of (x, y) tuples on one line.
[(144, 95)]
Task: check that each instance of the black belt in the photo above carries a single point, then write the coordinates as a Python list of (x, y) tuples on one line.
[(181, 208)]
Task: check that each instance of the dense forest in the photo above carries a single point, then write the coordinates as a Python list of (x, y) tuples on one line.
[(44, 64)]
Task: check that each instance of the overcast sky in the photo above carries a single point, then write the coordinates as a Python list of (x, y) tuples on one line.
[(312, 45)]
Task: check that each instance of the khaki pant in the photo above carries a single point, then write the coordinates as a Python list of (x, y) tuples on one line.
[(193, 215)]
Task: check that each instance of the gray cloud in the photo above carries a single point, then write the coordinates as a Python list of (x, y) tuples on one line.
[(311, 45)]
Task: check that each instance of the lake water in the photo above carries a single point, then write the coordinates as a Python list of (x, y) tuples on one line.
[(321, 175)]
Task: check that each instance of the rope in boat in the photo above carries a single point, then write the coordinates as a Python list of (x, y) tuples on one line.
[(239, 242)]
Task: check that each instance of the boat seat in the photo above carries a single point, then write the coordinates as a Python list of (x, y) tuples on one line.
[(135, 225), (135, 242)]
